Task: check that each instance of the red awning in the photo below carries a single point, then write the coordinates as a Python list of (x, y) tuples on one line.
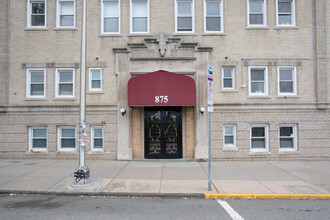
[(161, 88)]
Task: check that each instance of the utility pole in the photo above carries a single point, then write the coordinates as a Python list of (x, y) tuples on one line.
[(81, 174)]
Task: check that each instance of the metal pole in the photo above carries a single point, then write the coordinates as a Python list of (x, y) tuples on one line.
[(81, 174), (83, 86), (210, 188)]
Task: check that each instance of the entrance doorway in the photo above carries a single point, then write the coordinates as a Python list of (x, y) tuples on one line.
[(163, 133)]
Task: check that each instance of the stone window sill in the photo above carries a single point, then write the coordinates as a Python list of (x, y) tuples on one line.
[(65, 29), (36, 29), (67, 152)]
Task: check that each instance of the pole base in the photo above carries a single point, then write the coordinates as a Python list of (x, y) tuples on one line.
[(81, 176)]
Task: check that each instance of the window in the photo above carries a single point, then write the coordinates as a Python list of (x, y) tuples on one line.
[(95, 79), (213, 16), (259, 138), (228, 78), (184, 12), (287, 81), (285, 12), (65, 13), (229, 136), (288, 137), (38, 139), (65, 83), (36, 83), (66, 138), (110, 16), (256, 13), (258, 81), (36, 13), (139, 16), (97, 138)]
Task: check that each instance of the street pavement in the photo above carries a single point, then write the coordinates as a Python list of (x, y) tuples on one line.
[(167, 177), (90, 207)]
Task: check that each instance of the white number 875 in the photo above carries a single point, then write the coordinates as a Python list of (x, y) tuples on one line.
[(161, 99)]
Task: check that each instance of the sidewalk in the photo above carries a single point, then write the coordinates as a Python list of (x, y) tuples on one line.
[(176, 177)]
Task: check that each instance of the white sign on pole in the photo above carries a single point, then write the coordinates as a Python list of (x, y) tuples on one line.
[(210, 88)]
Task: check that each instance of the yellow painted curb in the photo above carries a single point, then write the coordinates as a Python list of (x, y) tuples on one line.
[(266, 196)]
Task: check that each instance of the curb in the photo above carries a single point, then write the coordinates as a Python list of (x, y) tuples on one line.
[(266, 196), (168, 195), (106, 194)]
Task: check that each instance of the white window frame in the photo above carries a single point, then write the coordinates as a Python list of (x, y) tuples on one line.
[(221, 16), (59, 138), (192, 15), (57, 95), (102, 17), (92, 138), (90, 80), (293, 14), (266, 149), (29, 13), (131, 17), (232, 78), (265, 81), (294, 79), (31, 139), (28, 83), (264, 13), (58, 14), (294, 126), (234, 136)]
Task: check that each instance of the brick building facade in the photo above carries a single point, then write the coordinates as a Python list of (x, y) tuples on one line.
[(271, 78)]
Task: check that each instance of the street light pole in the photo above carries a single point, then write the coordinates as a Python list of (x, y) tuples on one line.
[(81, 174)]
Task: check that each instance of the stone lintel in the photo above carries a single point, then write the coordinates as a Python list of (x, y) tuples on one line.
[(204, 49), (162, 58), (120, 50)]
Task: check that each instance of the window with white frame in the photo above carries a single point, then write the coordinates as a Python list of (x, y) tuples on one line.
[(213, 16), (65, 13), (287, 81), (95, 79), (65, 83), (38, 139), (285, 12), (36, 13), (256, 13), (184, 16), (259, 138), (258, 78), (139, 16), (97, 138), (66, 138), (36, 83), (110, 16), (228, 78), (288, 137), (229, 136)]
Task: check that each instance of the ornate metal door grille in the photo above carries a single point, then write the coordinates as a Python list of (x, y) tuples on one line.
[(163, 134)]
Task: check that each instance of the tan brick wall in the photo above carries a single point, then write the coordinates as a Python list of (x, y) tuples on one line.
[(239, 46), (15, 136), (313, 132), (237, 43)]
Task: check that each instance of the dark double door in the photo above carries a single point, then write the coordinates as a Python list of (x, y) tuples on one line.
[(163, 133)]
